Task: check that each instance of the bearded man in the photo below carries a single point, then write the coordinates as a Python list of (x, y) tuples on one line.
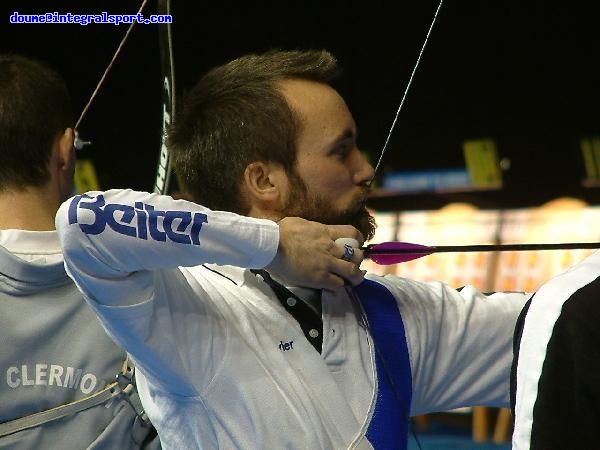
[(304, 354)]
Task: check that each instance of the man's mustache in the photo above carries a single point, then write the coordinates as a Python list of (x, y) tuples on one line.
[(363, 197)]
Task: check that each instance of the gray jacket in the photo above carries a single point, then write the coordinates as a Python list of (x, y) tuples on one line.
[(53, 351)]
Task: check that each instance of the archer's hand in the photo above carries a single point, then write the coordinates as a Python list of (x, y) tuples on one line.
[(308, 256)]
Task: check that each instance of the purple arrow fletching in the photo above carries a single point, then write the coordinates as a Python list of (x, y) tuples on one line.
[(388, 253)]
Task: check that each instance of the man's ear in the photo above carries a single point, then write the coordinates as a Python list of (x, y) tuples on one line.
[(264, 182), (66, 149), (65, 162)]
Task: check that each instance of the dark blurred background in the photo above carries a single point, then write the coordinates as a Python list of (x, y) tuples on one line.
[(525, 74)]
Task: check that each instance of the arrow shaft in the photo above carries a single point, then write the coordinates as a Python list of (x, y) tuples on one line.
[(480, 248)]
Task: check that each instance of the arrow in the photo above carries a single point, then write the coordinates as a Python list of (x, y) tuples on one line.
[(387, 253)]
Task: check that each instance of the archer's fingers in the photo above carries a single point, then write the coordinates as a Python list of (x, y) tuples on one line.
[(345, 231), (349, 272), (347, 252)]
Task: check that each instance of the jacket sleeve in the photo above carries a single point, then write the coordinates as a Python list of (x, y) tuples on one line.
[(121, 234), (124, 250), (459, 341)]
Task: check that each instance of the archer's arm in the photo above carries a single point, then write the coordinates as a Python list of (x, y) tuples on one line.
[(118, 233)]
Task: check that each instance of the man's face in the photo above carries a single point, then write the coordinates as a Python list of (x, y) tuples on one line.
[(330, 183)]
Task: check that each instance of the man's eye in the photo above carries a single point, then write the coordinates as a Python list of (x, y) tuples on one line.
[(342, 151)]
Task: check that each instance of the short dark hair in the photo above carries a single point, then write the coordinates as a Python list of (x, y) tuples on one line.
[(35, 108), (235, 115)]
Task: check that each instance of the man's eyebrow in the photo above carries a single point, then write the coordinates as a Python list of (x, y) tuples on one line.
[(346, 135)]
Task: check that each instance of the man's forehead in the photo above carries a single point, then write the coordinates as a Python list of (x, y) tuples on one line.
[(299, 92), (314, 99), (322, 111)]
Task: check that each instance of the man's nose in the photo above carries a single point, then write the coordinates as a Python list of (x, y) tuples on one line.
[(364, 170)]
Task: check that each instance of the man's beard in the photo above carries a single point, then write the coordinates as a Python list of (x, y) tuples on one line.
[(315, 208)]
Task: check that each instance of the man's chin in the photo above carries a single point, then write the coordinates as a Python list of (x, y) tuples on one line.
[(359, 218), (365, 223)]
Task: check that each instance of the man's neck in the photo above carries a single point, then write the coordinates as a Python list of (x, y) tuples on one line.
[(29, 209)]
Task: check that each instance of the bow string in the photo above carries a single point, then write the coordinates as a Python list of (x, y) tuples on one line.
[(165, 37)]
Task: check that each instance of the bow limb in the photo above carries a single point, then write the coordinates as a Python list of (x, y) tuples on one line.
[(165, 36)]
